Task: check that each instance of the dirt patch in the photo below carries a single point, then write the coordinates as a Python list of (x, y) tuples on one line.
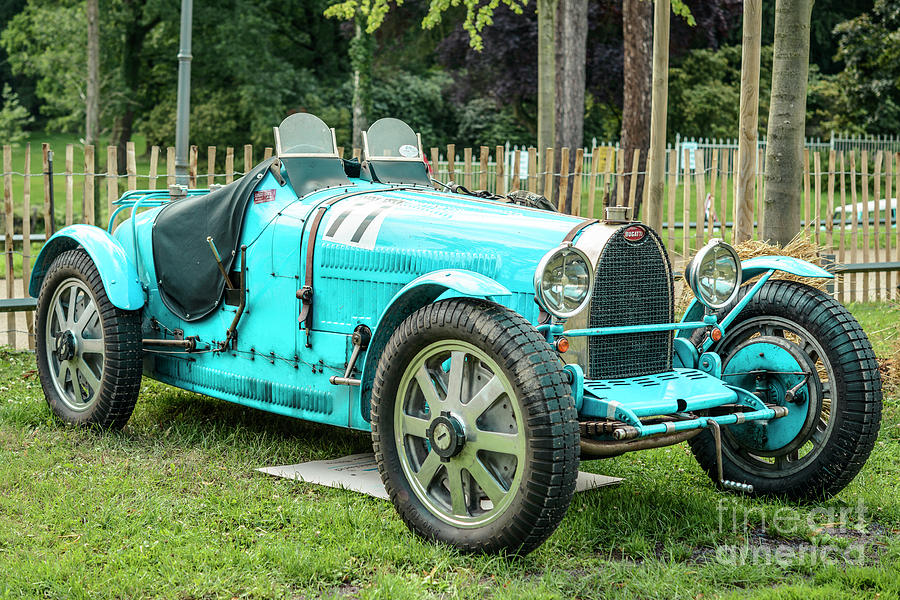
[(839, 546)]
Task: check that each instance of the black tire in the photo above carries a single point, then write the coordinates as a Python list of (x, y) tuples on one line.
[(107, 368), (546, 428), (850, 416)]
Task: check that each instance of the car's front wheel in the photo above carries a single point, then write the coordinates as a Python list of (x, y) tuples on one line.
[(88, 351), (474, 428), (801, 349)]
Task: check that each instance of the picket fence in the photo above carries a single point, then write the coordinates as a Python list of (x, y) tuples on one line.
[(699, 201)]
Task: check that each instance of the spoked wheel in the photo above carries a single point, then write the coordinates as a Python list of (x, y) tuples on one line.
[(474, 428), (799, 348), (88, 351)]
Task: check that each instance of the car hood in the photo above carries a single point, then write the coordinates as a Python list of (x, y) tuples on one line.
[(407, 233)]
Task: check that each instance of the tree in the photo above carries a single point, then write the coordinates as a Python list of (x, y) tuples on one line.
[(571, 46), (637, 20), (13, 117), (787, 115), (92, 94), (869, 46)]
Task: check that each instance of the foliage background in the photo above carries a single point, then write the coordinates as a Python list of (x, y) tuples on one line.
[(256, 61)]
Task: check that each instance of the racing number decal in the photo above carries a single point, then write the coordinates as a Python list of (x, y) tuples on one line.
[(357, 221)]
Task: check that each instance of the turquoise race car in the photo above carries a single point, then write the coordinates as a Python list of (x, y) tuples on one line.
[(488, 345)]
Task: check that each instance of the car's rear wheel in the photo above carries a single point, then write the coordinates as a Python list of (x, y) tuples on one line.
[(88, 351), (474, 428), (833, 412)]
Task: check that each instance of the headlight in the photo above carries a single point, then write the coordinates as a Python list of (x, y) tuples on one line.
[(563, 281), (715, 274)]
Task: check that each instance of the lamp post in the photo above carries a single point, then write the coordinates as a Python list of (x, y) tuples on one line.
[(182, 119)]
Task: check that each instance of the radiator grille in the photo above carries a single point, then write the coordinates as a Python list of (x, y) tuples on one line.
[(633, 286)]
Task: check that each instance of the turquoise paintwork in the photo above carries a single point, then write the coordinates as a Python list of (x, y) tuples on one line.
[(784, 368), (120, 279), (752, 267), (380, 254)]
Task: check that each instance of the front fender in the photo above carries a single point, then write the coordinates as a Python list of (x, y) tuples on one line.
[(413, 296), (118, 273), (752, 267)]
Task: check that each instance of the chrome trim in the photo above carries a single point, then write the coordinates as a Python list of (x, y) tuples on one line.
[(542, 266), (692, 272)]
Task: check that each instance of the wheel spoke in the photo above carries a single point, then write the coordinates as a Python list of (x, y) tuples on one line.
[(484, 399), (88, 375), (414, 426), (457, 494), (62, 371), (426, 384), (428, 470), (503, 443), (780, 462), (454, 383), (817, 437), (91, 346), (488, 484), (60, 316), (70, 315), (85, 317)]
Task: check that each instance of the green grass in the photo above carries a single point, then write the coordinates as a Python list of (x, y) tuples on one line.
[(172, 507)]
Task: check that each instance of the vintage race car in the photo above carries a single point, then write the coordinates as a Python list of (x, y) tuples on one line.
[(487, 346)]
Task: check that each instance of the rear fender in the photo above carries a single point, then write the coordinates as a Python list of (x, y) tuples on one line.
[(418, 293), (752, 267), (119, 276)]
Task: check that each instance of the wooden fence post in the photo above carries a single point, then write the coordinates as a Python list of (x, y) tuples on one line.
[(483, 164), (673, 188), (8, 241), (229, 164), (153, 175), (248, 158), (451, 162), (547, 166), (686, 208), (192, 167), (563, 180), (576, 182), (700, 177), (210, 166), (112, 178), (89, 197), (620, 177), (499, 172), (170, 167), (131, 166), (467, 167), (864, 159), (45, 164), (70, 184), (516, 169), (26, 240), (632, 188), (436, 164), (879, 157), (532, 170)]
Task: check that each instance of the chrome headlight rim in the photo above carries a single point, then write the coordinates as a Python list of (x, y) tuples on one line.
[(539, 275), (692, 273)]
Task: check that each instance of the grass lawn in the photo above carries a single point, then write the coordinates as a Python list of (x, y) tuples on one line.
[(171, 507)]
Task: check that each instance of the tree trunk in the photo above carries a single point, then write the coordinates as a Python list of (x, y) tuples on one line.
[(637, 19), (656, 170), (92, 100), (360, 61), (123, 125), (546, 11), (787, 120), (571, 48)]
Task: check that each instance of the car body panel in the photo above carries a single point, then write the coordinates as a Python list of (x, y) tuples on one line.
[(121, 283)]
